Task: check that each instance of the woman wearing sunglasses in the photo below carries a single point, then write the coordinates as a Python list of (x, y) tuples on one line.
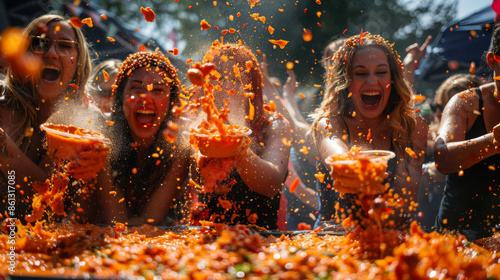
[(55, 93), (466, 149)]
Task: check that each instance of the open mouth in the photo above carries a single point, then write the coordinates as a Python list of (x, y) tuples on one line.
[(50, 74), (145, 117), (371, 99)]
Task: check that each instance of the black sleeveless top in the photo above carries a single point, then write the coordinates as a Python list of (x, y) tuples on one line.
[(328, 196), (472, 201), (247, 206)]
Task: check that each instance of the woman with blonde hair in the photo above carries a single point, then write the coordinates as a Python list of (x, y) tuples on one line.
[(368, 104), (52, 94)]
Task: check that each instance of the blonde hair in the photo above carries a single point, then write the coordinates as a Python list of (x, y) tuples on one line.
[(455, 84), (20, 94), (336, 101)]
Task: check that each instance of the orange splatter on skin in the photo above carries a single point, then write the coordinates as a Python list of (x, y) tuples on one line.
[(149, 15), (74, 86), (280, 43), (88, 21), (369, 135), (294, 185), (150, 221), (76, 22), (204, 25)]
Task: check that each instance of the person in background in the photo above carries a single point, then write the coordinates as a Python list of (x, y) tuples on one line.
[(253, 187), (302, 202), (466, 149), (368, 104), (103, 77), (53, 93), (433, 181), (148, 172)]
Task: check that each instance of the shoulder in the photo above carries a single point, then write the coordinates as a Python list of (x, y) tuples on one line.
[(467, 100)]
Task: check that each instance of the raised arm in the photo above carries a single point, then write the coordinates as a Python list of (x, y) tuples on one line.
[(265, 174)]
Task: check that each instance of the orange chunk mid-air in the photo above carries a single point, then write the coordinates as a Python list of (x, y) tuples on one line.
[(204, 25), (88, 21), (76, 22), (149, 15), (253, 3), (280, 43)]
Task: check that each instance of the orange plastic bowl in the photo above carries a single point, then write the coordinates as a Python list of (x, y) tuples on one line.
[(217, 146), (66, 141)]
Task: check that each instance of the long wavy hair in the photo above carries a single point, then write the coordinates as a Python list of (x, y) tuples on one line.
[(123, 154), (19, 93), (226, 56), (336, 101)]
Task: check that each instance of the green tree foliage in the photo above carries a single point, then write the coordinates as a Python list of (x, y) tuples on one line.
[(401, 21)]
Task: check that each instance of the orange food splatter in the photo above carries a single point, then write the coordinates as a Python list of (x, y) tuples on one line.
[(110, 123), (410, 152), (74, 86), (418, 98), (76, 22), (111, 39), (88, 21), (270, 29), (148, 13), (204, 25), (307, 35), (106, 75), (253, 3), (104, 17), (280, 43), (294, 185)]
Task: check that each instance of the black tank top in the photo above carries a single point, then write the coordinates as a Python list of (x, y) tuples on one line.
[(472, 201), (328, 196)]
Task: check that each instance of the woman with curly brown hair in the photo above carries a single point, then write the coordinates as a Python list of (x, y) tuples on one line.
[(368, 104), (145, 170)]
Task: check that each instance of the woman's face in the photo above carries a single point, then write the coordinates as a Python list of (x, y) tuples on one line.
[(58, 59), (146, 101), (371, 82)]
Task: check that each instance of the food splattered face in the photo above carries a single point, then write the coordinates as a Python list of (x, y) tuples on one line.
[(146, 101), (371, 82), (58, 50)]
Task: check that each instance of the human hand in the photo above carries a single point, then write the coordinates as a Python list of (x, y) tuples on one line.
[(415, 53), (89, 161), (290, 87)]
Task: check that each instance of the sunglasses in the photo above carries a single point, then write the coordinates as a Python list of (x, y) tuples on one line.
[(435, 107), (41, 45)]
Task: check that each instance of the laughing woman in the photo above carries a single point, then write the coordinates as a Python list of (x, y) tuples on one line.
[(147, 171), (27, 101), (367, 104)]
